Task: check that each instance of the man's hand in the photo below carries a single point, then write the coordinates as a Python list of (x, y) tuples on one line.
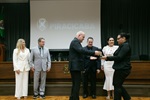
[(18, 71), (32, 68), (48, 69), (93, 58), (98, 71), (98, 53)]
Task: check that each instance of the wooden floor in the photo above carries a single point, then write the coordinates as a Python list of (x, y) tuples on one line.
[(66, 98)]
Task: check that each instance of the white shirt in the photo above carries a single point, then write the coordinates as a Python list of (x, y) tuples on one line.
[(108, 51)]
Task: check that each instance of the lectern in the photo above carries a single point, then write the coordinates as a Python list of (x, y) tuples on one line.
[(2, 52)]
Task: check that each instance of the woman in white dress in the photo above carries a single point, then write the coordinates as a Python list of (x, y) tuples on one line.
[(107, 67), (21, 56)]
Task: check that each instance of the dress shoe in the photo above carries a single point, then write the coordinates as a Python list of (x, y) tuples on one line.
[(85, 96), (94, 96), (73, 98), (70, 98), (35, 96), (42, 96)]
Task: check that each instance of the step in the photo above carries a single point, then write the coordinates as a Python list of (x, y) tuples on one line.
[(64, 89)]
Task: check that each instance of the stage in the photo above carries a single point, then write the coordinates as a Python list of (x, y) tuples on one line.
[(59, 81)]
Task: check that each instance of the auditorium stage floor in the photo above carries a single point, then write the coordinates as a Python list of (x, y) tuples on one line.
[(67, 98)]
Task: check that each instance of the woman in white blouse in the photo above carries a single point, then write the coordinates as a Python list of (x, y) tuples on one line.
[(21, 56), (107, 67)]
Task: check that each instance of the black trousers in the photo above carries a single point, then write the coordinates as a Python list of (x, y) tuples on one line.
[(119, 90), (76, 79), (89, 75)]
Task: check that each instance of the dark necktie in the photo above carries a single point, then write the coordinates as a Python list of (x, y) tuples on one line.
[(41, 52)]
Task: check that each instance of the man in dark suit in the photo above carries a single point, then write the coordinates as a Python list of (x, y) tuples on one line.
[(76, 62), (92, 65)]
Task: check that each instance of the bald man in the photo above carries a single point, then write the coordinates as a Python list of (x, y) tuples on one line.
[(76, 62)]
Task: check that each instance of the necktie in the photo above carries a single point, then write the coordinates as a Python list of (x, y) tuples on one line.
[(41, 52)]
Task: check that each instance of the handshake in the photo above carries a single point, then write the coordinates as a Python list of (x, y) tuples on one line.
[(98, 53)]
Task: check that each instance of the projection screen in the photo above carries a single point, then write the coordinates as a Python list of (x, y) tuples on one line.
[(58, 21)]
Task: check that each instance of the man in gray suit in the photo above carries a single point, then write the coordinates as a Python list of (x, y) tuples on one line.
[(40, 64)]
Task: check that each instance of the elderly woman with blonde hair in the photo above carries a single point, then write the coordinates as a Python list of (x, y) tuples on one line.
[(21, 56)]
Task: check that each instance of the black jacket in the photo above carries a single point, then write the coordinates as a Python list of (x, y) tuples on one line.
[(76, 54), (121, 57), (92, 64)]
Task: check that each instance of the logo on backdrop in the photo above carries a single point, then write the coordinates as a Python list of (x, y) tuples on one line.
[(42, 24)]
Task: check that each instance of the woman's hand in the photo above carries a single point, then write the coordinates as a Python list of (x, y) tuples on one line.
[(104, 57), (102, 67), (18, 71)]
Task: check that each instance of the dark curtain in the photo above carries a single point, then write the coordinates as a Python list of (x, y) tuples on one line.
[(131, 16), (17, 25), (116, 15)]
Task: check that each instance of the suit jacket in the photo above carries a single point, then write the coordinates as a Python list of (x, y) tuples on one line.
[(92, 64), (40, 62), (21, 60), (121, 57), (76, 52)]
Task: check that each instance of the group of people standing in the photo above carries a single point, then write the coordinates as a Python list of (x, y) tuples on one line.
[(87, 61), (38, 61), (84, 63)]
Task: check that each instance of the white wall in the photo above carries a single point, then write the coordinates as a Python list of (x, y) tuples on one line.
[(59, 20)]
